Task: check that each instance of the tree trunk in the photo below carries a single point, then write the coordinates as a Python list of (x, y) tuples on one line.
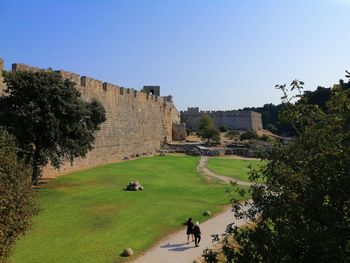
[(36, 172)]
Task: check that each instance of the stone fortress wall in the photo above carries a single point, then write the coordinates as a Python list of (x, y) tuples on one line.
[(235, 119), (138, 123), (2, 86)]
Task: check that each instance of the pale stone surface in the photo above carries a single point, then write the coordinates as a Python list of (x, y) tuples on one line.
[(235, 119), (207, 213), (137, 122), (128, 252), (179, 132), (2, 85)]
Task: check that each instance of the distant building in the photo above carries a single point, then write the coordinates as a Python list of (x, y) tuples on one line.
[(235, 119)]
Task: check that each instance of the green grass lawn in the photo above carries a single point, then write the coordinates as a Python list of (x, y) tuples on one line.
[(88, 217), (235, 168)]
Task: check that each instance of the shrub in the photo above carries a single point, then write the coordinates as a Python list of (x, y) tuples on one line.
[(270, 127), (249, 135), (223, 128), (207, 130), (16, 196)]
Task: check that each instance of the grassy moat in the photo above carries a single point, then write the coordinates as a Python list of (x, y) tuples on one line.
[(88, 216), (235, 168)]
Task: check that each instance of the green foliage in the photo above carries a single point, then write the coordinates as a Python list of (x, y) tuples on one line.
[(231, 134), (264, 138), (301, 213), (207, 130), (206, 122), (188, 131), (88, 217), (48, 118), (249, 135), (223, 128), (270, 127), (16, 196), (210, 256), (318, 97)]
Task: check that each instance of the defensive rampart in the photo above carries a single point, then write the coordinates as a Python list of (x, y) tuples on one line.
[(236, 120), (138, 123)]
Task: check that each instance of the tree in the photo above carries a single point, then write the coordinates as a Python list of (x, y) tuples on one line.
[(302, 212), (207, 130), (49, 119), (270, 127), (16, 196)]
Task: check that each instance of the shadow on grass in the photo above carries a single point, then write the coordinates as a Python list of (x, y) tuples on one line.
[(41, 183)]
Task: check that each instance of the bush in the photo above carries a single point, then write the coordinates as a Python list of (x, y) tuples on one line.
[(210, 256), (265, 138), (231, 134), (223, 128), (16, 196), (207, 130), (249, 135), (270, 127)]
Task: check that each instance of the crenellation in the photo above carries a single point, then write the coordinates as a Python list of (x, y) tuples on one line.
[(135, 122), (105, 86), (91, 82), (24, 67), (2, 85), (233, 119), (69, 75)]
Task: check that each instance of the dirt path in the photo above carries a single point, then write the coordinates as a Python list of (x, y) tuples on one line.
[(174, 249), (202, 169)]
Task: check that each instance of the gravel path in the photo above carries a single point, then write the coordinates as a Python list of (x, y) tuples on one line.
[(202, 169), (174, 249)]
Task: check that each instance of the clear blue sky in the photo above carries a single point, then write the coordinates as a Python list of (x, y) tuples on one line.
[(215, 54)]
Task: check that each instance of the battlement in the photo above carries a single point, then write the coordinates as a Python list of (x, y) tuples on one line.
[(69, 75), (196, 111), (149, 92), (87, 81), (24, 67), (2, 85), (138, 123), (233, 119)]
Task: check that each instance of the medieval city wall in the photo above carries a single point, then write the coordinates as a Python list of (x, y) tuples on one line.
[(137, 124), (2, 86), (236, 120)]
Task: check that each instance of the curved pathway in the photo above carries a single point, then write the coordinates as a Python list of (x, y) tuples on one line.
[(203, 170), (174, 249)]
